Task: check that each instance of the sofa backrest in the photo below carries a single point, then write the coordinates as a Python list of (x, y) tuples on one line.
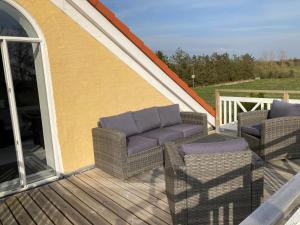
[(147, 119), (140, 121), (123, 122), (169, 115)]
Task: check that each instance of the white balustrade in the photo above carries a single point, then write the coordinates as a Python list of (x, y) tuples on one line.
[(231, 106)]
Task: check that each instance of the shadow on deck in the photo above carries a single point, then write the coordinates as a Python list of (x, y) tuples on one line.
[(94, 197)]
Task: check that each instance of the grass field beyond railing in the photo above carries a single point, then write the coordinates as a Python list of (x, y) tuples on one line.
[(208, 92)]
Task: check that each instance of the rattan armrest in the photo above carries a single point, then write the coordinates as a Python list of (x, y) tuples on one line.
[(195, 118), (112, 142), (249, 118), (280, 127)]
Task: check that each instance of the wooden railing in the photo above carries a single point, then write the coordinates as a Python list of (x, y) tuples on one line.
[(228, 107)]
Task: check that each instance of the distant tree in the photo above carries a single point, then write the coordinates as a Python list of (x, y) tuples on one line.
[(162, 56), (219, 68)]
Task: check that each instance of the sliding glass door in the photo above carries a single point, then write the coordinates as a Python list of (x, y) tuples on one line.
[(31, 105), (26, 147), (9, 172)]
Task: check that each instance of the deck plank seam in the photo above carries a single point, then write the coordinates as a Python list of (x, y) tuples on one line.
[(132, 202), (127, 200), (64, 214), (139, 194), (114, 202), (78, 199)]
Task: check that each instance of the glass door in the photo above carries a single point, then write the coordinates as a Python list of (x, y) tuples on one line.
[(26, 154), (32, 109), (9, 171)]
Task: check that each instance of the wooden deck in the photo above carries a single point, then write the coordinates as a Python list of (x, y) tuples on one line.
[(94, 197)]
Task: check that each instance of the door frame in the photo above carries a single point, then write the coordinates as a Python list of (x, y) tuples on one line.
[(49, 92)]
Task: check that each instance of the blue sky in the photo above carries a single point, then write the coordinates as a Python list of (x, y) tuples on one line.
[(259, 27)]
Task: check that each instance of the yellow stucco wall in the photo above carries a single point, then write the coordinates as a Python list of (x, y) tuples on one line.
[(88, 82)]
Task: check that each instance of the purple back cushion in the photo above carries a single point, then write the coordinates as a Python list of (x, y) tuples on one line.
[(233, 145), (169, 115), (283, 109), (147, 119), (123, 122)]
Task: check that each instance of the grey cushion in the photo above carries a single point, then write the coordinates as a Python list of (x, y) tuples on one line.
[(169, 115), (147, 119), (187, 129), (123, 122), (163, 135), (283, 109), (254, 130), (138, 143), (233, 145)]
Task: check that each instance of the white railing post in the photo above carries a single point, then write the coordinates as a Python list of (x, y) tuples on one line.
[(230, 112), (218, 106), (225, 112), (235, 111)]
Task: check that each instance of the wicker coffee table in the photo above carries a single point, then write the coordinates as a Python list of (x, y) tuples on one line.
[(212, 188)]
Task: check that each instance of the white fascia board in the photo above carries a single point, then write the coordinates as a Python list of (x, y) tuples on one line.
[(84, 14)]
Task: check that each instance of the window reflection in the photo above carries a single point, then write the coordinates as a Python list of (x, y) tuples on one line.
[(13, 23)]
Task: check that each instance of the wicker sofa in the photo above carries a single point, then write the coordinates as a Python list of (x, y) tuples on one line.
[(272, 137), (212, 188), (124, 155)]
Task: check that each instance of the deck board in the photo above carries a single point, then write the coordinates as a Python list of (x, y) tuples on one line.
[(140, 186), (136, 191), (18, 211), (64, 207), (94, 197), (6, 217), (134, 200), (94, 204), (46, 206), (38, 216), (76, 203), (137, 210)]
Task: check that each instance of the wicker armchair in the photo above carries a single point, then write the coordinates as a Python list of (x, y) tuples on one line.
[(280, 137), (111, 154), (222, 188)]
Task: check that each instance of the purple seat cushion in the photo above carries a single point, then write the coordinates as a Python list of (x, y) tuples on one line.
[(123, 122), (254, 130), (138, 143), (186, 129), (233, 145), (163, 135), (147, 119), (169, 115), (283, 109)]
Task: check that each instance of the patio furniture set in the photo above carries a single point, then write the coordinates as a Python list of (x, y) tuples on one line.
[(210, 179)]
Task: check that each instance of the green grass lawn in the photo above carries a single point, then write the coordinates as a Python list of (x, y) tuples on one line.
[(208, 92)]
